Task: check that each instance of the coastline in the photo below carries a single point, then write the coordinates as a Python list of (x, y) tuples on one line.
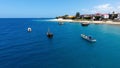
[(90, 22)]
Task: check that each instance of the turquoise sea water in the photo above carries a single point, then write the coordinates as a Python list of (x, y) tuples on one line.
[(21, 49)]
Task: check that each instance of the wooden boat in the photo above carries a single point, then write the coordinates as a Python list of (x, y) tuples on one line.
[(88, 38), (84, 24), (49, 34)]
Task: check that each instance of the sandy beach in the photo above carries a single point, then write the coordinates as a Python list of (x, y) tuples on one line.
[(91, 22)]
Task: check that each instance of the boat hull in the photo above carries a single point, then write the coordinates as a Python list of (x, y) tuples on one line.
[(87, 38), (49, 35), (84, 24)]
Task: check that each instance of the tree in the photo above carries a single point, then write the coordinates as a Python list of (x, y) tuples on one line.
[(77, 15), (65, 16)]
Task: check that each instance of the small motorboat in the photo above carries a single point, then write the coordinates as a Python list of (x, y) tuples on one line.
[(88, 38), (29, 29), (49, 34), (84, 24)]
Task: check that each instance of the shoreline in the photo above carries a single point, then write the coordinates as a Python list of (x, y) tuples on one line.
[(90, 22)]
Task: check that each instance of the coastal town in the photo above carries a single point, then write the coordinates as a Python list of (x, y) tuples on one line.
[(100, 18)]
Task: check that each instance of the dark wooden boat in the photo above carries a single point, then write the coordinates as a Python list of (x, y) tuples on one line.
[(49, 34), (84, 24)]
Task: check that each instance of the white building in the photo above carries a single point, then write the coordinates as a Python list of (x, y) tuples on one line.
[(118, 16), (105, 16)]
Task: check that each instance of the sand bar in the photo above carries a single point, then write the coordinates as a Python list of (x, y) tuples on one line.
[(81, 21)]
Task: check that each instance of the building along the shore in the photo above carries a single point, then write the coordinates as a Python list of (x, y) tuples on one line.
[(118, 16), (96, 17), (106, 16)]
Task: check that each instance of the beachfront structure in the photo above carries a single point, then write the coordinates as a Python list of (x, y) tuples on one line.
[(87, 16), (106, 16), (97, 17), (118, 16), (113, 16), (93, 18)]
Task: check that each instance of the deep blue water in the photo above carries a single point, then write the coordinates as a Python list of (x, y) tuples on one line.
[(21, 49)]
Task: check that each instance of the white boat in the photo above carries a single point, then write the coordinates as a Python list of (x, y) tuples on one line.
[(29, 29), (88, 38)]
